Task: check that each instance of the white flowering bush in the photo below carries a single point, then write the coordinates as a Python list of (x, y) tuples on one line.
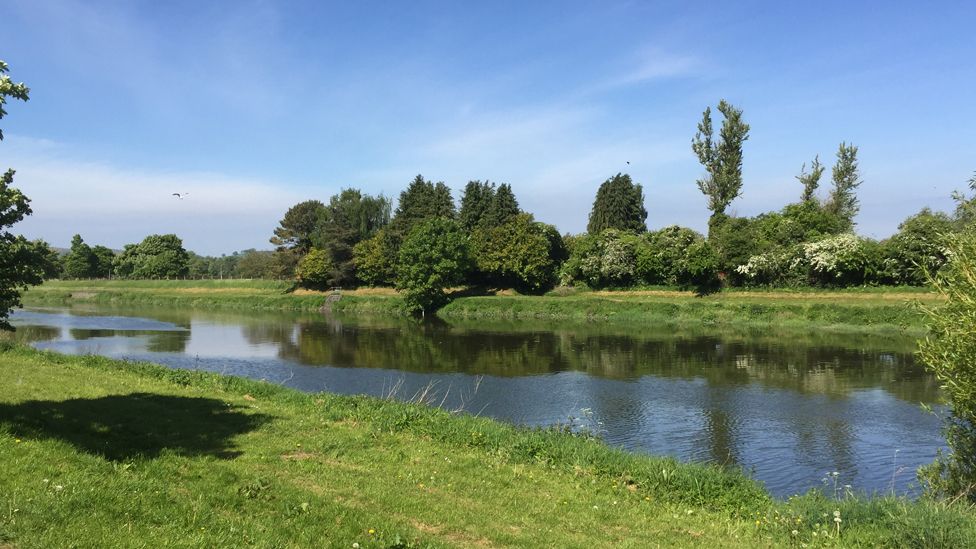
[(783, 266), (617, 260), (602, 260), (840, 259), (760, 268)]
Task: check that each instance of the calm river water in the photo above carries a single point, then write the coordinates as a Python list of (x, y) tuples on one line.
[(788, 407)]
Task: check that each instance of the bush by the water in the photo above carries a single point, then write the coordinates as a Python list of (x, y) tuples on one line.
[(950, 353)]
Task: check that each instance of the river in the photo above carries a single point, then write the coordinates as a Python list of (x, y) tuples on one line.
[(796, 410)]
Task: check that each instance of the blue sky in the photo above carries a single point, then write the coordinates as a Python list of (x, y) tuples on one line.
[(252, 106)]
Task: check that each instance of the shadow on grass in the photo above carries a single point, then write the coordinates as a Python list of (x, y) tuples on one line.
[(122, 427)]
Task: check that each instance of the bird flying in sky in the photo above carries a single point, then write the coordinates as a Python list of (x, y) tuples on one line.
[(181, 196)]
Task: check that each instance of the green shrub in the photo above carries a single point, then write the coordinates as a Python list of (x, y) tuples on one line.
[(950, 353), (661, 256), (315, 269), (520, 253), (375, 259), (433, 257), (918, 247), (607, 259)]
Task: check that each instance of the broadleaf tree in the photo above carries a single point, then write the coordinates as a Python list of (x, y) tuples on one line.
[(949, 352), (349, 218), (433, 257), (156, 257), (518, 254), (104, 258), (22, 263), (80, 262)]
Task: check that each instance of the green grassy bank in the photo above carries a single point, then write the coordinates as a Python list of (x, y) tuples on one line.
[(857, 310), (97, 452)]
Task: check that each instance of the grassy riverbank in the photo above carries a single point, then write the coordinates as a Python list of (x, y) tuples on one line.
[(874, 310), (99, 452)]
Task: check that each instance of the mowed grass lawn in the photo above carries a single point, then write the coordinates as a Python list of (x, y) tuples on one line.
[(98, 453)]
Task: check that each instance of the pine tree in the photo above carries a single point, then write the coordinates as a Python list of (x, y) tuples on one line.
[(504, 207), (295, 230), (475, 203), (422, 200), (619, 204)]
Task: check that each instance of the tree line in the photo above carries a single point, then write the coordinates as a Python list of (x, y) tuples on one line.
[(429, 244), (158, 257)]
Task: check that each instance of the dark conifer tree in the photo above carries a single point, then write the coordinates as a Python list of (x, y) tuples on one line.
[(422, 200), (80, 262), (476, 201), (295, 230), (504, 206), (619, 204)]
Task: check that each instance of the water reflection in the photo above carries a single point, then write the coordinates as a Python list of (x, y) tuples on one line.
[(721, 359), (788, 406), (38, 333), (156, 342)]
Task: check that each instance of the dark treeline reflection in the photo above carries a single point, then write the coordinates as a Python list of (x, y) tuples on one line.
[(807, 363), (37, 333), (156, 342)]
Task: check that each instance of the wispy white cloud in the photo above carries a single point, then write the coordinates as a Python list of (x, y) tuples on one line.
[(115, 205), (504, 134), (554, 156), (648, 65), (654, 64)]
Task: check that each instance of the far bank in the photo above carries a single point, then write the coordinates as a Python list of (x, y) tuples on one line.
[(869, 310)]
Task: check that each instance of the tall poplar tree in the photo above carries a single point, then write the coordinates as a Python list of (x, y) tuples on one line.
[(619, 204), (846, 177), (722, 160), (810, 180)]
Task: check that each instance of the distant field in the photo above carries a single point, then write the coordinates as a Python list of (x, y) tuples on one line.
[(858, 309)]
